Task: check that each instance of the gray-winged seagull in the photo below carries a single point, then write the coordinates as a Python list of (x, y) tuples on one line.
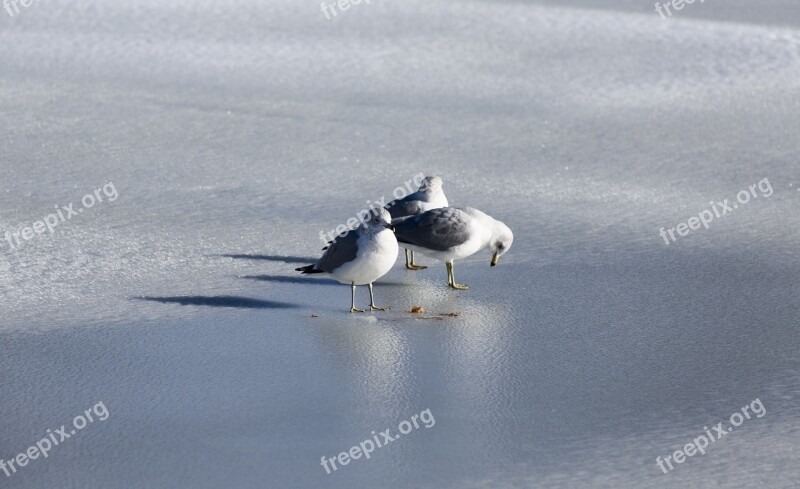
[(361, 256), (450, 233), (429, 196)]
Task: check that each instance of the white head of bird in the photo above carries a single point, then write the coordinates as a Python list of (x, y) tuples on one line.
[(502, 237), (378, 219), (432, 184)]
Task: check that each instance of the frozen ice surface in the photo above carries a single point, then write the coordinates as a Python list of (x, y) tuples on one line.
[(235, 131)]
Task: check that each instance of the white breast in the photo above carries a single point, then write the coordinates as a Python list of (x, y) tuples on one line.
[(377, 253)]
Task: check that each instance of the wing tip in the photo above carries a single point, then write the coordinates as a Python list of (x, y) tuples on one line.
[(308, 269)]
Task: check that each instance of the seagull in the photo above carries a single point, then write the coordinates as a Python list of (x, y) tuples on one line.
[(451, 233), (361, 256), (429, 196)]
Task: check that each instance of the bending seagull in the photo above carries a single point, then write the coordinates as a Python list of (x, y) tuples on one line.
[(361, 256), (429, 196), (449, 234)]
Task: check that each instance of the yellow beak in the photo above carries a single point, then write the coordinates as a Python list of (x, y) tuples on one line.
[(495, 257)]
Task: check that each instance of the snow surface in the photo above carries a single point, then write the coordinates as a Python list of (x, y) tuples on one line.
[(236, 130)]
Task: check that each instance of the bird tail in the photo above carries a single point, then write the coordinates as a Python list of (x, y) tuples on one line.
[(309, 269)]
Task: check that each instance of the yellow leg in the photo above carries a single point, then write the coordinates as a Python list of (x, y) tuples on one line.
[(451, 278), (410, 262)]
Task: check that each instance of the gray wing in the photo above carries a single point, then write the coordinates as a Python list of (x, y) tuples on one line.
[(408, 205), (437, 229), (341, 250), (401, 208)]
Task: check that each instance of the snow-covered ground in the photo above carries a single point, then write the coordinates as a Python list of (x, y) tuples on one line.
[(235, 131)]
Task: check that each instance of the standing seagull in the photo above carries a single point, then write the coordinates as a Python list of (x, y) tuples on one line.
[(429, 196), (450, 233), (361, 256)]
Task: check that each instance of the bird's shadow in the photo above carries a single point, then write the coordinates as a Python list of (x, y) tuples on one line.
[(278, 258), (285, 279), (220, 301)]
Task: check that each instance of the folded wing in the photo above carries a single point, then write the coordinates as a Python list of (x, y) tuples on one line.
[(437, 229)]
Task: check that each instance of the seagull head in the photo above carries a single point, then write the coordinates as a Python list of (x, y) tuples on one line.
[(432, 184), (502, 237), (379, 217)]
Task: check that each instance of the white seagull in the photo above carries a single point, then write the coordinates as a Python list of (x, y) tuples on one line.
[(429, 196), (361, 256), (450, 233)]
